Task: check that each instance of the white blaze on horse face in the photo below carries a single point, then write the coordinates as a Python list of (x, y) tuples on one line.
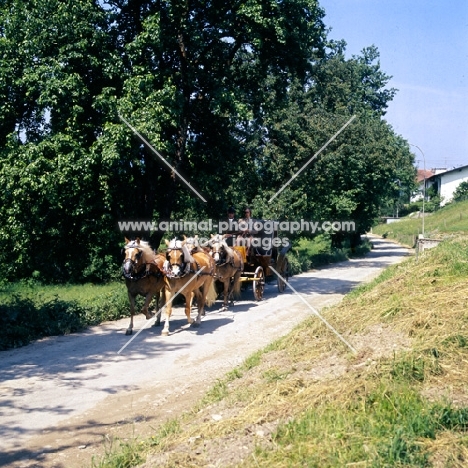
[(134, 254), (176, 270), (175, 262)]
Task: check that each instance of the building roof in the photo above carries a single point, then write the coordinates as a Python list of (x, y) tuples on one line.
[(455, 169), (423, 174)]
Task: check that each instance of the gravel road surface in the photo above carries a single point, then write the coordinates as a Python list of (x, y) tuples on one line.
[(62, 398)]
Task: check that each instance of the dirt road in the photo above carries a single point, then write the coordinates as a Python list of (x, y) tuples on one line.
[(62, 397)]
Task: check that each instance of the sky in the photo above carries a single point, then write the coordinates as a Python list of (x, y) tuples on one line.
[(423, 45)]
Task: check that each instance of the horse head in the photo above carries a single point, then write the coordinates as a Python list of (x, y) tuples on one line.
[(177, 258), (193, 244), (133, 261), (218, 251)]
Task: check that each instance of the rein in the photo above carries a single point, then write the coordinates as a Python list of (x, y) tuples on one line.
[(185, 266)]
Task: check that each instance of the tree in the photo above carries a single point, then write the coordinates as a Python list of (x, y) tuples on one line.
[(236, 96), (200, 74), (58, 65), (461, 192), (356, 173), (192, 77)]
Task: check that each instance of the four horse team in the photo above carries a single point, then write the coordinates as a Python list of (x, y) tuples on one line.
[(185, 268)]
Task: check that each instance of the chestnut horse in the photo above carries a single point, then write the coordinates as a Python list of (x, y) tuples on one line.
[(228, 270), (142, 269), (189, 274)]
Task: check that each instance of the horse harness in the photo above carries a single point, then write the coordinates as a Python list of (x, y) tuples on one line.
[(226, 262), (143, 273), (185, 266)]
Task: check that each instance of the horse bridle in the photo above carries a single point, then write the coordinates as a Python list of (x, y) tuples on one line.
[(184, 266), (220, 250), (134, 274)]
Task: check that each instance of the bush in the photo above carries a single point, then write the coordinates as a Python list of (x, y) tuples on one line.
[(31, 313), (461, 192), (309, 253)]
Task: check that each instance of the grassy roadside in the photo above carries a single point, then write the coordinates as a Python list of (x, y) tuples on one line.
[(448, 221), (29, 311), (402, 400), (312, 253)]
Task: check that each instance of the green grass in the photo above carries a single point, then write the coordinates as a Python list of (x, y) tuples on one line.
[(382, 424), (395, 411), (29, 311), (312, 253), (449, 220), (381, 428)]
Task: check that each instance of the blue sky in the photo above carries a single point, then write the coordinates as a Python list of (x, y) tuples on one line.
[(423, 45)]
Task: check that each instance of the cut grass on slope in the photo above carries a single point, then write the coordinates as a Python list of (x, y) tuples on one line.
[(306, 401), (449, 220)]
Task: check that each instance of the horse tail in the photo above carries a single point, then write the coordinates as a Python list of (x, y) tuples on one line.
[(211, 295)]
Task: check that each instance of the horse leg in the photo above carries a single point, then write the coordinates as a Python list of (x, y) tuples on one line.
[(160, 297), (200, 303), (230, 298), (131, 298), (234, 286), (203, 293), (226, 293), (168, 294), (159, 306), (188, 305), (144, 309)]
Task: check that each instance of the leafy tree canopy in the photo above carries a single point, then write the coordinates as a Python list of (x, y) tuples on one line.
[(236, 96)]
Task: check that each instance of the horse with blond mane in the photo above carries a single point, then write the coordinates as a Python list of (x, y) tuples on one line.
[(142, 270), (229, 266), (189, 274)]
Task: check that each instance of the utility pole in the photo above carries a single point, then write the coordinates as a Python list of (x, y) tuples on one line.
[(424, 188)]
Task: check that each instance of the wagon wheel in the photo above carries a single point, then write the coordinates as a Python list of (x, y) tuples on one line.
[(285, 272), (259, 283)]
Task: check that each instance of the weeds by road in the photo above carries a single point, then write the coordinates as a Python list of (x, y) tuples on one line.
[(452, 220), (307, 401)]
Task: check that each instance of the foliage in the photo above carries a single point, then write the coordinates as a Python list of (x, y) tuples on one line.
[(461, 192), (448, 220), (310, 253), (357, 172), (29, 312), (236, 98)]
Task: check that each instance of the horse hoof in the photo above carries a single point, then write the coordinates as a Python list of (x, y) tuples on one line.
[(165, 333), (195, 324), (129, 331)]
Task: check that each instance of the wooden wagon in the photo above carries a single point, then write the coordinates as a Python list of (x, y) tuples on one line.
[(260, 255)]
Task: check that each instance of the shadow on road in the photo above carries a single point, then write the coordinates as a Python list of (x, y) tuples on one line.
[(29, 376)]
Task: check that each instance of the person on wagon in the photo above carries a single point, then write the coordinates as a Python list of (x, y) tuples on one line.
[(232, 229), (246, 224), (246, 230)]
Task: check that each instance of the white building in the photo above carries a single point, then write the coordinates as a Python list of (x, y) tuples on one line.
[(421, 176), (447, 182)]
